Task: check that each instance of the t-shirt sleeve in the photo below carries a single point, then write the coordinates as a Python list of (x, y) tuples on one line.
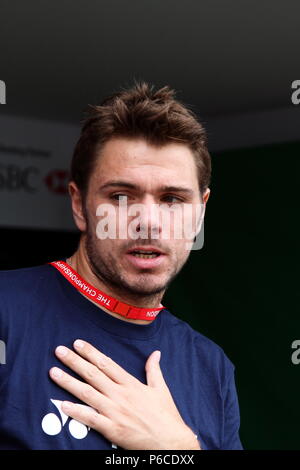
[(231, 438)]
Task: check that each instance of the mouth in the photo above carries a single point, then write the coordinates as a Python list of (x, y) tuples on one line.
[(145, 257)]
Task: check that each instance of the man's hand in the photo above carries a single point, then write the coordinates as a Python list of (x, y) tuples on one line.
[(127, 412)]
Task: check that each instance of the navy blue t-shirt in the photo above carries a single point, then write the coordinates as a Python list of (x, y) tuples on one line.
[(40, 309)]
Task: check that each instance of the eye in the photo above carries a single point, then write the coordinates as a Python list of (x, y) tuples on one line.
[(119, 197), (172, 199)]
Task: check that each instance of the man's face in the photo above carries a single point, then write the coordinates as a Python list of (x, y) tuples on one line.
[(131, 171)]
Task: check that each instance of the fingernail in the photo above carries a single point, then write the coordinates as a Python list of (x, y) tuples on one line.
[(56, 373), (61, 351), (158, 354), (78, 344)]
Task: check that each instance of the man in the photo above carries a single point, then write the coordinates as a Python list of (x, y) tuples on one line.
[(100, 310)]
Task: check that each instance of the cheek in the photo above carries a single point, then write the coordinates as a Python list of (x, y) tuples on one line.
[(190, 220), (91, 214), (180, 224), (123, 224), (181, 251)]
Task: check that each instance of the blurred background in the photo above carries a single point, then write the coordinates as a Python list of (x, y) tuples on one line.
[(234, 63)]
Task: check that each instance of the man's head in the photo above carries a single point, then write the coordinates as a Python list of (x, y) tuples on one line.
[(143, 147)]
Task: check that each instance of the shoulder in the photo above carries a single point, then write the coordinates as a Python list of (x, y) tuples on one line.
[(22, 279), (19, 288), (20, 291)]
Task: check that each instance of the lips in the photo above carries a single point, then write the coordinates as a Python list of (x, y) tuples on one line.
[(145, 263), (146, 250), (144, 257)]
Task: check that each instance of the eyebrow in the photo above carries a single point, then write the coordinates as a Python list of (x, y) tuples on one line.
[(126, 184)]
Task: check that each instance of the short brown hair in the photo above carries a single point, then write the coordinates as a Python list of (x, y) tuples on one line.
[(139, 111)]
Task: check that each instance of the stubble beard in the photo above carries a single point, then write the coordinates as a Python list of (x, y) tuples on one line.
[(107, 270)]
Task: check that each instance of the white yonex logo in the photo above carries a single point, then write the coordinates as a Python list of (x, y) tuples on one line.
[(52, 425)]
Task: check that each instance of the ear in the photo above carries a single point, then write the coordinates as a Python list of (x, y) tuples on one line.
[(206, 195), (203, 208), (77, 207)]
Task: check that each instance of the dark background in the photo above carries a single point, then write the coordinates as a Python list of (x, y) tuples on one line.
[(225, 58)]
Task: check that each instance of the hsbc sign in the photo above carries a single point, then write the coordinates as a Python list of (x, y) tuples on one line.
[(35, 157), (14, 178)]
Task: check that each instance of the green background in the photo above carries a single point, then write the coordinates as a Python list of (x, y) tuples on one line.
[(242, 288)]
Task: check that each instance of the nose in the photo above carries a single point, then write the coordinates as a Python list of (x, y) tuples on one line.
[(149, 223)]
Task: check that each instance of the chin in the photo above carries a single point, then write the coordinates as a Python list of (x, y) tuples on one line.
[(146, 286)]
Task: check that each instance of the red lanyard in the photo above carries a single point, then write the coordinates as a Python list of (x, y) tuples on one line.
[(112, 304)]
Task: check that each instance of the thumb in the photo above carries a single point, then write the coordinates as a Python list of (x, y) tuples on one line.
[(153, 370)]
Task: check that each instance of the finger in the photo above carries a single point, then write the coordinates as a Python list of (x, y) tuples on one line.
[(104, 363), (154, 374), (89, 417), (85, 392), (89, 372)]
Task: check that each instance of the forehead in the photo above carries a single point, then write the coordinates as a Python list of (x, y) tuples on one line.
[(141, 161)]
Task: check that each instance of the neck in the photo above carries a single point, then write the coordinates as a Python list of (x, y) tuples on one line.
[(80, 263)]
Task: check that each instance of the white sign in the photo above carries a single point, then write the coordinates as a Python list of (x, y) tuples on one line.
[(35, 158)]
